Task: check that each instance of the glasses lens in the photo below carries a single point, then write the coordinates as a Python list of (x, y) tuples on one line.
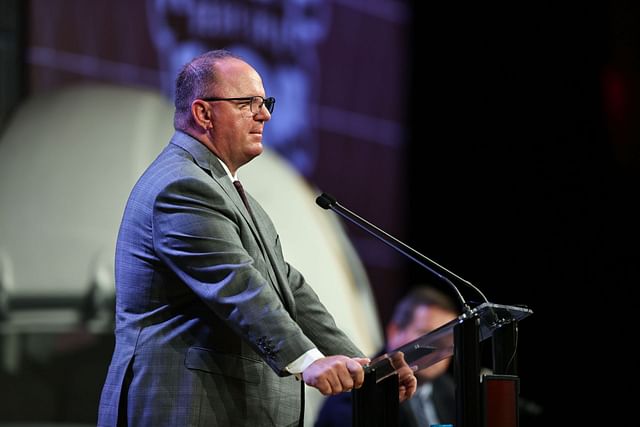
[(257, 102), (270, 103)]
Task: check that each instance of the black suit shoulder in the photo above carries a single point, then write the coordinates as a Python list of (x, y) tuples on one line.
[(444, 398)]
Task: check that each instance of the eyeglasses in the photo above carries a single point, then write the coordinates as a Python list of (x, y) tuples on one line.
[(255, 102)]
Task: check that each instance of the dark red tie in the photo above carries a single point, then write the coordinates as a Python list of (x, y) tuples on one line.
[(243, 196)]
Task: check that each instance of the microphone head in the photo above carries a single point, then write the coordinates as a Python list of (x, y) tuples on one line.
[(325, 201)]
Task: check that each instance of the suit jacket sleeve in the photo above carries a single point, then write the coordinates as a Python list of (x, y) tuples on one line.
[(315, 320)]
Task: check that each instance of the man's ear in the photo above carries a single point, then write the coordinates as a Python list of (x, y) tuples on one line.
[(201, 113)]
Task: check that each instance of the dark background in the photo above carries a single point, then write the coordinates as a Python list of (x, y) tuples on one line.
[(523, 174), (517, 170)]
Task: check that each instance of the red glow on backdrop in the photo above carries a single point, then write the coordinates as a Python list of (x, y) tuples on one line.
[(615, 95)]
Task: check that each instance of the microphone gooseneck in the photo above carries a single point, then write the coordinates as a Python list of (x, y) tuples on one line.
[(326, 201)]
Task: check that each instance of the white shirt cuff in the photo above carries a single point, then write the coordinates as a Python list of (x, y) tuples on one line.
[(301, 363)]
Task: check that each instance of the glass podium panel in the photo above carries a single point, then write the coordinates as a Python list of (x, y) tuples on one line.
[(439, 343)]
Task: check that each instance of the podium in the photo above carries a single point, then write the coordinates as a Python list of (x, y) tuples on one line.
[(481, 401)]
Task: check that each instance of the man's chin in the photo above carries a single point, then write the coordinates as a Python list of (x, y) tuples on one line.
[(255, 150), (258, 148)]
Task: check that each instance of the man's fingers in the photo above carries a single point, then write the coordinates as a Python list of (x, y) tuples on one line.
[(346, 381), (357, 373), (334, 374), (408, 385), (406, 379), (326, 384), (335, 382), (363, 361), (323, 386)]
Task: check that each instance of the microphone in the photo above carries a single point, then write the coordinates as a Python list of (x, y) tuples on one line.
[(327, 201)]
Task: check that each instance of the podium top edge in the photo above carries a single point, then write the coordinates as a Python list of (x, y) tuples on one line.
[(486, 305)]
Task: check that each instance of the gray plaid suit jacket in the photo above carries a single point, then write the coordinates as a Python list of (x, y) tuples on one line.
[(208, 313)]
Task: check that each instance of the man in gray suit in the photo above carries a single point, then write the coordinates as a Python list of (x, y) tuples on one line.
[(213, 327)]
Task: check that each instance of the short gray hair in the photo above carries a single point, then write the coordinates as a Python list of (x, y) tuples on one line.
[(196, 80)]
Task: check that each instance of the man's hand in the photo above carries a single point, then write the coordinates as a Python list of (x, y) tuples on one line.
[(407, 382), (335, 374)]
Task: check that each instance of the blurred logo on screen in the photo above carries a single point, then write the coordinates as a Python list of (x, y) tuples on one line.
[(278, 37)]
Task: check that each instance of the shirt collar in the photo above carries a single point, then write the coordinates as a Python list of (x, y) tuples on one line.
[(233, 178)]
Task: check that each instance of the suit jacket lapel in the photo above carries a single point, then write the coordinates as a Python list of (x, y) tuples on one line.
[(209, 162)]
